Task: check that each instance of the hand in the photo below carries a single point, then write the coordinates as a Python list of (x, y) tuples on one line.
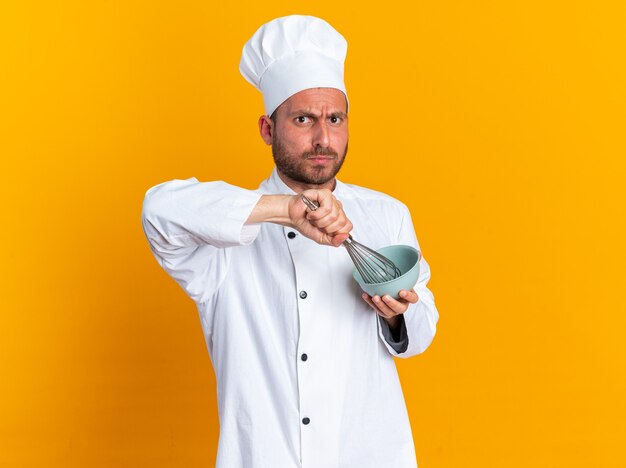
[(328, 225), (389, 308)]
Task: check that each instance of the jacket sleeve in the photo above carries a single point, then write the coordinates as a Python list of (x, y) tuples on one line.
[(399, 341), (190, 224), (420, 319)]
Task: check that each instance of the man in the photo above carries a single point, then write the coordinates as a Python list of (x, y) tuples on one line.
[(303, 360)]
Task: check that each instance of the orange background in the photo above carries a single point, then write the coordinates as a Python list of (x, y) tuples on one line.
[(500, 124)]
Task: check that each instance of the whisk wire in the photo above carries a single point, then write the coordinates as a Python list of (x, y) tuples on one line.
[(371, 265)]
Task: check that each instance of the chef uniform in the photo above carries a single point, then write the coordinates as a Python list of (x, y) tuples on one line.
[(304, 367)]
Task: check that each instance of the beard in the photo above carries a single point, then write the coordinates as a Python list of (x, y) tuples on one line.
[(299, 169)]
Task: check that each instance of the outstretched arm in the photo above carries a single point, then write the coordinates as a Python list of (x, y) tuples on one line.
[(189, 224)]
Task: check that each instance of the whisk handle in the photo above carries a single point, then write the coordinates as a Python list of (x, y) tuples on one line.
[(310, 204)]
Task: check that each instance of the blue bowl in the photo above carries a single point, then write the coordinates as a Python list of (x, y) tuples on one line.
[(407, 259)]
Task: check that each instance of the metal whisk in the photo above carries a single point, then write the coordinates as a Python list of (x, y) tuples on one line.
[(372, 266)]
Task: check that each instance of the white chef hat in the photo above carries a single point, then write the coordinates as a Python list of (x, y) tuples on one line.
[(291, 54)]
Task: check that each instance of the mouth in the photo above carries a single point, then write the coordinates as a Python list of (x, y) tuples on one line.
[(320, 159)]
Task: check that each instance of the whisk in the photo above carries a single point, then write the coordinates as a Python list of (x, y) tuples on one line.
[(372, 266)]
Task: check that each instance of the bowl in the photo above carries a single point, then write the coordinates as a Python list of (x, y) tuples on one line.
[(407, 259)]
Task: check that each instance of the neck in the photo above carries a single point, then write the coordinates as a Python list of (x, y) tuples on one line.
[(299, 187)]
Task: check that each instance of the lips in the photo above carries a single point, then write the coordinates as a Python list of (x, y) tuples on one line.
[(321, 158)]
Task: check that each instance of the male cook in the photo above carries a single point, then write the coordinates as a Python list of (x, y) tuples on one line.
[(303, 360)]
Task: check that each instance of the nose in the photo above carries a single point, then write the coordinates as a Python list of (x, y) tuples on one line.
[(321, 137)]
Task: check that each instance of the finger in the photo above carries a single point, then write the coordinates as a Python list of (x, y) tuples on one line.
[(341, 225), (367, 298), (325, 200), (327, 239), (336, 222), (319, 213), (394, 306), (409, 296), (382, 306), (310, 231), (325, 222), (336, 215), (376, 304)]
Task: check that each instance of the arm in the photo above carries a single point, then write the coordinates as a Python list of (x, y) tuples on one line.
[(190, 224), (328, 225), (414, 317)]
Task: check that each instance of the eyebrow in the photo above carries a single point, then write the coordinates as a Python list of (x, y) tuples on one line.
[(307, 113)]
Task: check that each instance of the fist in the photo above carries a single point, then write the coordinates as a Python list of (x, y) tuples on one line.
[(327, 225)]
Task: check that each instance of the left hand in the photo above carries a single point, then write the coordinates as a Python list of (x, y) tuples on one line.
[(389, 308)]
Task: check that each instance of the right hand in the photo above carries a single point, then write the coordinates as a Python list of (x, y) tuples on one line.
[(328, 225)]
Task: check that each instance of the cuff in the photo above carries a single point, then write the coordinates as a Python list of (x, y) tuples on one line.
[(234, 226), (399, 345)]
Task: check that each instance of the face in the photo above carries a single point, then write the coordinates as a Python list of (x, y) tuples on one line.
[(310, 136)]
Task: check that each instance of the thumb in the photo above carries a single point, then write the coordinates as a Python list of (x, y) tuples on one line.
[(338, 239), (309, 230)]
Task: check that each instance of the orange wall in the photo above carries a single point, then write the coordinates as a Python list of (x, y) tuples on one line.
[(500, 124)]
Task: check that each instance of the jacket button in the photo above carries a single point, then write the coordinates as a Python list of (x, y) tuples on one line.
[(304, 357), (303, 294), (291, 234), (306, 421)]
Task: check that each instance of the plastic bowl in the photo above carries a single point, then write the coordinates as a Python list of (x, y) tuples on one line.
[(407, 259)]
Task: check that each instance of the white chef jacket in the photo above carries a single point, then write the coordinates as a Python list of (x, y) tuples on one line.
[(304, 369)]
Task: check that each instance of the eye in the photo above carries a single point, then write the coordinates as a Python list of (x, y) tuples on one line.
[(302, 119), (335, 120)]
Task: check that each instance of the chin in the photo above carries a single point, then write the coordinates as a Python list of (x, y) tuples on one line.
[(320, 179)]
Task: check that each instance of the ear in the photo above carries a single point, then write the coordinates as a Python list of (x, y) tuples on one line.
[(266, 129)]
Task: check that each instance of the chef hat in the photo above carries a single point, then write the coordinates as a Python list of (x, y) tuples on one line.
[(293, 53)]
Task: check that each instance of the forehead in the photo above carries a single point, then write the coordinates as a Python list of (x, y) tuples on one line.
[(321, 99)]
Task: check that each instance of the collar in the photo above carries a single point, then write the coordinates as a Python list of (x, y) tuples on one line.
[(275, 185)]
